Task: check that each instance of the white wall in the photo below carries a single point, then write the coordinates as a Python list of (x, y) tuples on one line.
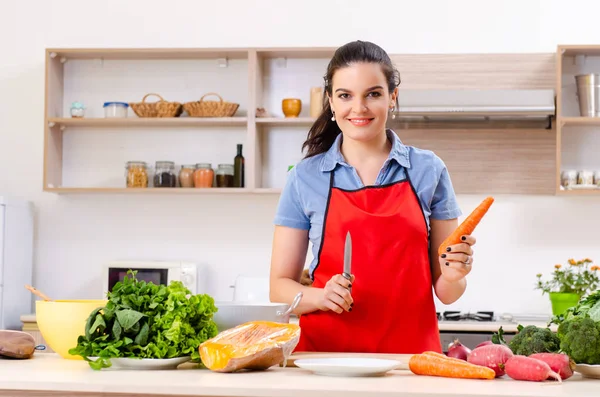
[(75, 234)]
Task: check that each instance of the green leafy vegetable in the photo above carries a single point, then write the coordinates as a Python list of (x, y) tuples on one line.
[(531, 339), (579, 330), (144, 320)]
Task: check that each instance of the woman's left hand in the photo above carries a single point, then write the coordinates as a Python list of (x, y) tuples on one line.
[(457, 262)]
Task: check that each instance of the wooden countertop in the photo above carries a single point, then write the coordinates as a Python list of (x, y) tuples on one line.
[(48, 375)]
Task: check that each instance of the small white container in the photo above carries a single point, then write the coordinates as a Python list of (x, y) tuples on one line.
[(115, 109), (597, 178), (569, 178), (585, 177)]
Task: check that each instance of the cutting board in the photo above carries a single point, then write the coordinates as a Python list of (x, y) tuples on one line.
[(403, 358)]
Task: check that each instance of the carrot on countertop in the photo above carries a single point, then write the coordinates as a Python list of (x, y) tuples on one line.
[(439, 365), (468, 225)]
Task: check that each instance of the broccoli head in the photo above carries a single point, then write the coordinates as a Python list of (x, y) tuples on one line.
[(580, 339), (532, 339)]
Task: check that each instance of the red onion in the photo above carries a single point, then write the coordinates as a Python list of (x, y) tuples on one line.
[(458, 350), (487, 342)]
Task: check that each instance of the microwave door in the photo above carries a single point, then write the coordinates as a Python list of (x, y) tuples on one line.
[(156, 276)]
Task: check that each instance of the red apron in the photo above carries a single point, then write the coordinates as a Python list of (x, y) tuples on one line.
[(393, 310)]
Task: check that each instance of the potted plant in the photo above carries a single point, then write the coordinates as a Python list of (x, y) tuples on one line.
[(569, 283)]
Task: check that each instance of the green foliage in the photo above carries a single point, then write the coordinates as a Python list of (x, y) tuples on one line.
[(144, 320)]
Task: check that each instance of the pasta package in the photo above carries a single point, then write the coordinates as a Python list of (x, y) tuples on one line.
[(254, 345)]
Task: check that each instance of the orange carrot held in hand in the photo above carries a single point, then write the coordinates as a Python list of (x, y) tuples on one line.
[(468, 225), (439, 365)]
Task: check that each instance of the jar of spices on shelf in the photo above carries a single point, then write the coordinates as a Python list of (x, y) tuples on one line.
[(225, 175), (204, 175), (164, 174), (186, 176), (137, 174)]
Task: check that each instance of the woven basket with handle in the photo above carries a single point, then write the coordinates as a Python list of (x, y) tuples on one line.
[(161, 108), (204, 108)]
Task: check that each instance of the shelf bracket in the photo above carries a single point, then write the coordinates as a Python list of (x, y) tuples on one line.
[(62, 127), (53, 55), (63, 60), (222, 62), (51, 124)]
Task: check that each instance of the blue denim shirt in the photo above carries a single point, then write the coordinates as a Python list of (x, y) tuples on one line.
[(304, 197)]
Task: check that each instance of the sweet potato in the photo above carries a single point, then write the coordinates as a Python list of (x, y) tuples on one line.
[(531, 369), (558, 362), (491, 356)]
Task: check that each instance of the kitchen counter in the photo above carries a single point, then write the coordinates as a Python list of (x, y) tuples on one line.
[(479, 326), (48, 375)]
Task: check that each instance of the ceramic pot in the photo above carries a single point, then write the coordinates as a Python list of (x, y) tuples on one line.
[(291, 107), (562, 301)]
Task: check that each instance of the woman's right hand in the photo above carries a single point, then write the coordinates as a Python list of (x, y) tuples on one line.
[(336, 295)]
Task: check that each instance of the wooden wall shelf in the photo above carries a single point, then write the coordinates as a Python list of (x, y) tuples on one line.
[(577, 136), (92, 151)]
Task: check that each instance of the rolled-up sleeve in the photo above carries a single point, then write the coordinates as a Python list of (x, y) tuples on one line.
[(444, 204), (290, 211)]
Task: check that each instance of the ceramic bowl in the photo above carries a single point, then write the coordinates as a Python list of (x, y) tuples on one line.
[(62, 321), (291, 107)]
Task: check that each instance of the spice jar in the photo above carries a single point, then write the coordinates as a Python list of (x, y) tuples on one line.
[(137, 174), (164, 174), (186, 176), (204, 175), (225, 175), (585, 177)]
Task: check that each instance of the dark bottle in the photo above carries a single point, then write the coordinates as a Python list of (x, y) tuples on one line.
[(238, 168)]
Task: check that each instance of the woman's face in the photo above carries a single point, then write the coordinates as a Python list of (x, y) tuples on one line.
[(360, 100)]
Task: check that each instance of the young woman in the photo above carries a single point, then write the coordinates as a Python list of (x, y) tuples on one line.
[(396, 201)]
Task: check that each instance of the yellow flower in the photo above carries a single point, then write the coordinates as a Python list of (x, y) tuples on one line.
[(595, 268), (539, 275), (588, 260), (572, 262), (557, 266)]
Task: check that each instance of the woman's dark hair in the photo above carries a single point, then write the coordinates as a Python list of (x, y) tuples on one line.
[(323, 132)]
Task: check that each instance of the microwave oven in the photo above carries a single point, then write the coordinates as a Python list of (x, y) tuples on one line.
[(157, 272)]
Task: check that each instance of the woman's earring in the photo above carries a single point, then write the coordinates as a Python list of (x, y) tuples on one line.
[(332, 116), (393, 114)]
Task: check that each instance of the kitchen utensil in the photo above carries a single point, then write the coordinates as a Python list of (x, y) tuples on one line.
[(348, 366), (348, 258), (588, 94), (37, 292), (234, 313), (401, 358), (61, 322)]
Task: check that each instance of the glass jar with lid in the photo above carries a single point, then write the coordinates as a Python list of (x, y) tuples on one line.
[(164, 174), (186, 175), (204, 175), (136, 174), (225, 175)]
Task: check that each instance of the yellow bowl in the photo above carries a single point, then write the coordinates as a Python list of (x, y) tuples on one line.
[(62, 321)]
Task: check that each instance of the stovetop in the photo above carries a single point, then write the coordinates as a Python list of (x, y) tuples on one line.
[(466, 316)]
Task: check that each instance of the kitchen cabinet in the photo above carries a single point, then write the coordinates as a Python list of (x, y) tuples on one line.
[(88, 155), (578, 137)]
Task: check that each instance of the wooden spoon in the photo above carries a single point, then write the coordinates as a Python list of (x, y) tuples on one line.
[(37, 292)]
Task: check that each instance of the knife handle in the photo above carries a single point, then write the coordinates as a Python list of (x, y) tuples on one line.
[(349, 278)]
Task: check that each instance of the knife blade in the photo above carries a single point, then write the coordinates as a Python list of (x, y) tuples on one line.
[(348, 258)]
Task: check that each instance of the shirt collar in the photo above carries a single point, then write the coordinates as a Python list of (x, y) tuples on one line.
[(333, 156)]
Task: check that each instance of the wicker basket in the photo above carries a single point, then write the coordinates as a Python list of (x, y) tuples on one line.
[(204, 108), (161, 108)]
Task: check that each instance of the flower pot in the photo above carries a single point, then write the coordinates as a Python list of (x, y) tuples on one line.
[(561, 301)]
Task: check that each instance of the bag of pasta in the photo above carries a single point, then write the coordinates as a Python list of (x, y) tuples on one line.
[(255, 345)]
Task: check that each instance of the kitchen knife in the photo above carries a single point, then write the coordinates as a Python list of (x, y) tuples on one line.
[(348, 258)]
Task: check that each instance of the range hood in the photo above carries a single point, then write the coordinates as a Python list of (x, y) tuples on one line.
[(511, 104)]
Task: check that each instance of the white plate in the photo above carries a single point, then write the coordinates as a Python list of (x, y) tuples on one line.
[(145, 363), (348, 366), (588, 371)]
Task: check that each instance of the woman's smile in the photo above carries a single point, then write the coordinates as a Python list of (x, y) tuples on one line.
[(360, 121)]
